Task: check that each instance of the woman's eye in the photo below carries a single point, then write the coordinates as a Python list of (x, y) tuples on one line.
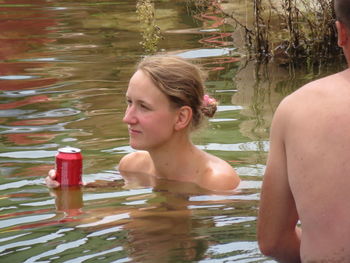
[(129, 102), (143, 106)]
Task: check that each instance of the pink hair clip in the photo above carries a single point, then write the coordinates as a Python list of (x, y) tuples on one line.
[(207, 100)]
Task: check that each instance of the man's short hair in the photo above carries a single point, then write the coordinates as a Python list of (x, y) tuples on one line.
[(342, 11)]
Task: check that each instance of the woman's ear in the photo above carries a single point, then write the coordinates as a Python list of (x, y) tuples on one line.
[(342, 33), (184, 117)]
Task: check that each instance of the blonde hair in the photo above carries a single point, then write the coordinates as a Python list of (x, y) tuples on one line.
[(181, 81)]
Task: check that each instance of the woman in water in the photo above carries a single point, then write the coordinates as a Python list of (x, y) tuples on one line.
[(165, 103)]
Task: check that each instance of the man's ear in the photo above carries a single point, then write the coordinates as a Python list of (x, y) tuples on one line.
[(342, 34), (184, 117)]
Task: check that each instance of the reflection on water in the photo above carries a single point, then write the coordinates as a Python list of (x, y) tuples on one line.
[(150, 31), (64, 68)]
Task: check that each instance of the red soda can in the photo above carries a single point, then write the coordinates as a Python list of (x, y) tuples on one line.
[(69, 166)]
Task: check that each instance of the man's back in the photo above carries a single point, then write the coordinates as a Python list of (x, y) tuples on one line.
[(317, 145), (307, 175)]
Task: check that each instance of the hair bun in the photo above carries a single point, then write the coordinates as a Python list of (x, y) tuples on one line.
[(209, 106)]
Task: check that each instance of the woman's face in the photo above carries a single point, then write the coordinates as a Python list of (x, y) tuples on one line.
[(149, 115)]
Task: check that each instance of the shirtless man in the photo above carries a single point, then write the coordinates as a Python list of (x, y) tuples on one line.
[(307, 176)]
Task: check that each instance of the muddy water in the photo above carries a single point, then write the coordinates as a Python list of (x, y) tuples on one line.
[(64, 68)]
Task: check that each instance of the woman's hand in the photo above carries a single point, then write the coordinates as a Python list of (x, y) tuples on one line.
[(50, 180)]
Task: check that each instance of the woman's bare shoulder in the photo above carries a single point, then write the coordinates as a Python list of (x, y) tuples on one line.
[(221, 175), (135, 162)]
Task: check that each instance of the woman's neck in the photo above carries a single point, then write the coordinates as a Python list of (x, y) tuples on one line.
[(176, 161)]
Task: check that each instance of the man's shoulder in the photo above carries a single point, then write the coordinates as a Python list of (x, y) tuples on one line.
[(305, 103), (311, 93), (319, 87)]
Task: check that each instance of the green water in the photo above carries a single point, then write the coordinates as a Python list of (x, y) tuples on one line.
[(64, 69)]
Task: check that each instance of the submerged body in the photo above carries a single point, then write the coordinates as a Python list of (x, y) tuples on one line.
[(210, 172), (165, 103), (161, 131)]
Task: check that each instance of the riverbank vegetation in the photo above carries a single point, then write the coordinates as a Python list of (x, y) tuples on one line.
[(289, 31)]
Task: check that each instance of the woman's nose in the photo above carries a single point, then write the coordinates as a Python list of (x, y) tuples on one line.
[(129, 116)]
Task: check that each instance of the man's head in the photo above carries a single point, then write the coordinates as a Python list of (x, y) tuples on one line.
[(342, 11)]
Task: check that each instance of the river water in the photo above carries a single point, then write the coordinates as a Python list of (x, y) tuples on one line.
[(64, 69)]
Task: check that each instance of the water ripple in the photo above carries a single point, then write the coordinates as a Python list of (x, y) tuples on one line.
[(206, 52), (29, 154), (34, 147), (30, 242), (84, 258), (248, 146), (106, 220), (19, 184), (105, 231), (25, 219), (31, 129), (17, 77), (59, 249), (31, 92), (14, 113), (63, 112)]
